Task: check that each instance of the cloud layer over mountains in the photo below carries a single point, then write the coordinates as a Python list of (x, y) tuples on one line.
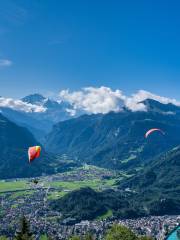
[(19, 105), (104, 100), (94, 100), (91, 100)]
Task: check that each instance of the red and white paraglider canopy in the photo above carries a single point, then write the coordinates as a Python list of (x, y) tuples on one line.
[(149, 132)]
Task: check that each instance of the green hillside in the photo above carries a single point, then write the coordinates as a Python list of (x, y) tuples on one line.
[(158, 185), (116, 140)]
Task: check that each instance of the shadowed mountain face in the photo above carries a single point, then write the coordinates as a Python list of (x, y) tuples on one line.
[(35, 126), (155, 106), (116, 140), (14, 142)]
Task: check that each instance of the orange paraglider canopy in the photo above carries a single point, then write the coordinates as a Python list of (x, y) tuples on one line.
[(34, 152)]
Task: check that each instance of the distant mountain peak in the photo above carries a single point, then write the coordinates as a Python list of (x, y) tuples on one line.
[(34, 99), (152, 101), (156, 106)]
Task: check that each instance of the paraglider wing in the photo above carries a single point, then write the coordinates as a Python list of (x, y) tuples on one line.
[(153, 130), (34, 152), (38, 150)]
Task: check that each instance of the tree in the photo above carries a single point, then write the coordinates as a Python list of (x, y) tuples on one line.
[(24, 233), (118, 232)]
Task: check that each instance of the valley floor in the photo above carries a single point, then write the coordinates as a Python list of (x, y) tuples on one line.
[(24, 197)]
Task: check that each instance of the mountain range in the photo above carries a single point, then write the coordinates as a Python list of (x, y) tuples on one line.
[(39, 123), (116, 140)]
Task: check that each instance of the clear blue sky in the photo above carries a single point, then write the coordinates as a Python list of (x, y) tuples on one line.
[(55, 44)]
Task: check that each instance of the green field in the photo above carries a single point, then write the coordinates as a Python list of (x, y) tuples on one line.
[(65, 187), (92, 177), (21, 193), (95, 184), (20, 188), (13, 186)]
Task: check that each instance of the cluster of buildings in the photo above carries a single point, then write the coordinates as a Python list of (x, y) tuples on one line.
[(33, 203), (157, 227), (44, 220), (87, 172)]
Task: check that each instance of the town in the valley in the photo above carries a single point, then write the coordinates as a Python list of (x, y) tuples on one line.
[(31, 200)]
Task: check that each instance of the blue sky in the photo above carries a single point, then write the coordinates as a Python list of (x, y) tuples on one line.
[(50, 45)]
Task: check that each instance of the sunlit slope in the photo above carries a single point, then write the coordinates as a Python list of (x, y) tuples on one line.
[(158, 185)]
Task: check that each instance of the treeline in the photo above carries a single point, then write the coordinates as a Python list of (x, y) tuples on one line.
[(116, 232), (88, 204)]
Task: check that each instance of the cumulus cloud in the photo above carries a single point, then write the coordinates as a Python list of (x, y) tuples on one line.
[(20, 105), (94, 100), (134, 102), (72, 112), (104, 99), (5, 63)]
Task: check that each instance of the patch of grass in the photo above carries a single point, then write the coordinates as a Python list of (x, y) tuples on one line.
[(56, 195), (13, 186), (76, 184), (95, 184), (131, 157), (43, 237), (105, 216), (21, 193), (66, 187), (110, 182), (53, 219), (14, 206)]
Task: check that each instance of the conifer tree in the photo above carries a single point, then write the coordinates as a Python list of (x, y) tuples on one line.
[(24, 233)]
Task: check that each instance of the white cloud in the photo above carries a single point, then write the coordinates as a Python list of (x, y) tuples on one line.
[(5, 63), (72, 112), (94, 100), (134, 102), (20, 105), (104, 99)]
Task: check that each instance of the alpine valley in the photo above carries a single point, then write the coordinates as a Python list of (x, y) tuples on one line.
[(95, 167)]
